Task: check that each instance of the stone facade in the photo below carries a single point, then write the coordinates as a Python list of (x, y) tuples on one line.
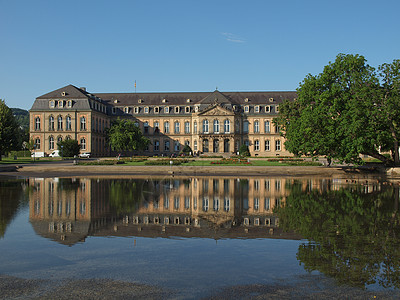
[(210, 123)]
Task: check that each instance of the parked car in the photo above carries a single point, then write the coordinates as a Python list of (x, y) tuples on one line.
[(55, 153), (84, 155), (37, 154)]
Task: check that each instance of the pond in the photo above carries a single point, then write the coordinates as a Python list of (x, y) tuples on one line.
[(200, 237)]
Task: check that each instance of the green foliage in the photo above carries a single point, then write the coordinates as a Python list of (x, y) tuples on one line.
[(70, 148), (244, 150), (353, 235), (338, 113), (8, 129), (124, 135), (187, 150)]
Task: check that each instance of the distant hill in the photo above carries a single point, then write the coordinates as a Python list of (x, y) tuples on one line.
[(22, 117)]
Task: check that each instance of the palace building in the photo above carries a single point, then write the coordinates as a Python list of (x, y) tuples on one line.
[(209, 122)]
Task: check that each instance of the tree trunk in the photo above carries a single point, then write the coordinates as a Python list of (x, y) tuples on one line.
[(379, 156)]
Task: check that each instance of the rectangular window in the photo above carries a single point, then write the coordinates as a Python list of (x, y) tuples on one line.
[(187, 127), (166, 146), (146, 110), (256, 126), (267, 146), (256, 145), (277, 145), (267, 127), (156, 145), (257, 109), (166, 109), (246, 109), (246, 127)]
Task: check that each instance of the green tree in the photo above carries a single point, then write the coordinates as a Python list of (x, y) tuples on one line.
[(186, 150), (337, 114), (124, 135), (70, 148), (244, 150), (389, 106), (8, 129)]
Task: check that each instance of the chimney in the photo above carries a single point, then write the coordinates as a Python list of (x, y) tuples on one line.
[(83, 89)]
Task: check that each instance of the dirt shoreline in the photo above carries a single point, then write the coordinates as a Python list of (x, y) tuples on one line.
[(67, 169)]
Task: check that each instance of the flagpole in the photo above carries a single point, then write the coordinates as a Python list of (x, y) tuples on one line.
[(135, 86)]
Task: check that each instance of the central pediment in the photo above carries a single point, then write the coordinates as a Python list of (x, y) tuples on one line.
[(216, 110)]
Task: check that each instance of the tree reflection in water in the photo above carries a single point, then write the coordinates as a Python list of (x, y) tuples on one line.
[(353, 236)]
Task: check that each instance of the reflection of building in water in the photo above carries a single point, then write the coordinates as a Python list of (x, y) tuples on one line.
[(62, 209), (68, 210)]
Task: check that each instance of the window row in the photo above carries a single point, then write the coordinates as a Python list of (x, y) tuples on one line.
[(60, 103), (60, 123), (52, 143)]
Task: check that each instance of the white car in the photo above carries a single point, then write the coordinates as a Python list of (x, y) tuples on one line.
[(84, 155), (55, 154)]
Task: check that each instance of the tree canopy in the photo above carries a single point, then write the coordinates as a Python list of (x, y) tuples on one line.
[(70, 148), (8, 129), (125, 135), (347, 110)]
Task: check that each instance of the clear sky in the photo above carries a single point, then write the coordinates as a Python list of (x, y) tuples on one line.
[(184, 45)]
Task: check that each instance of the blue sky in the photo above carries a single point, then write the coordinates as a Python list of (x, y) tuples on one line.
[(177, 45)]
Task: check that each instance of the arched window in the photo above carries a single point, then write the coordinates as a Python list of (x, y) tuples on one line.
[(267, 127), (227, 126), (278, 145), (256, 126), (267, 145), (177, 126), (37, 143), (205, 126), (216, 126), (83, 123), (187, 127), (59, 123), (37, 123), (195, 127), (245, 126), (166, 127), (68, 124), (256, 145), (83, 143), (51, 123), (59, 139), (51, 143)]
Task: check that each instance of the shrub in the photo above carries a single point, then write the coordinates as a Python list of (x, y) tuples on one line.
[(244, 150)]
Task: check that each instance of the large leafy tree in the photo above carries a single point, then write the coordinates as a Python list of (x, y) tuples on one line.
[(70, 148), (337, 113), (8, 129), (388, 108), (125, 135)]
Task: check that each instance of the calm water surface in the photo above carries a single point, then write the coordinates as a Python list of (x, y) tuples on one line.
[(199, 235)]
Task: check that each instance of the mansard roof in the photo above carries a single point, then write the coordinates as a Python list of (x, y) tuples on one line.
[(67, 92), (181, 98)]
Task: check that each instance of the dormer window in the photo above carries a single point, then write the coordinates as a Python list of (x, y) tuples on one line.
[(136, 110), (188, 101), (177, 109), (140, 101), (61, 104), (114, 110), (166, 109), (246, 100), (234, 107), (146, 110), (196, 108), (187, 109), (156, 110), (246, 109), (257, 109), (268, 109), (126, 109), (277, 108), (271, 99), (63, 94), (116, 101), (69, 103), (52, 104), (164, 100)]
